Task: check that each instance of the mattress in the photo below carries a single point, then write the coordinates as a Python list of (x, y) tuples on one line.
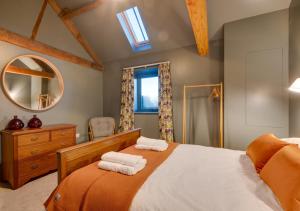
[(205, 179)]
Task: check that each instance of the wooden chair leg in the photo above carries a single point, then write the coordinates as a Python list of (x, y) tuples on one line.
[(90, 133)]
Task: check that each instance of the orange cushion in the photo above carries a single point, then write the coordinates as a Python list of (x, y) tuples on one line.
[(282, 174), (263, 148)]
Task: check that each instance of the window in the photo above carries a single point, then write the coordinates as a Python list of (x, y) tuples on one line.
[(134, 29), (146, 90)]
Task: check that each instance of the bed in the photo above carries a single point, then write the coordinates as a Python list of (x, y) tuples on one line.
[(190, 178)]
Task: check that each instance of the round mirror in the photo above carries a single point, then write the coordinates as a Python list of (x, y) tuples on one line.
[(32, 82)]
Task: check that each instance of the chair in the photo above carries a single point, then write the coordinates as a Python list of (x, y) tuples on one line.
[(44, 101), (100, 127)]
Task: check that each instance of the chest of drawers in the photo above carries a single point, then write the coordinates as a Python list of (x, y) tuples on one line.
[(30, 153)]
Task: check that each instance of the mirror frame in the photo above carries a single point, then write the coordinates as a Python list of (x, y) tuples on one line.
[(52, 66)]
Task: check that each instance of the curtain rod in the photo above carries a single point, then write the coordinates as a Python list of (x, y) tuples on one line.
[(147, 65)]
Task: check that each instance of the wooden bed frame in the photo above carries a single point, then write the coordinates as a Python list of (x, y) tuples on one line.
[(75, 157)]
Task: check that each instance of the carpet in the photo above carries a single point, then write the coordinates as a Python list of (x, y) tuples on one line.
[(29, 197)]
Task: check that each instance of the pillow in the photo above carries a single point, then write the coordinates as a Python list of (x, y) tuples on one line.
[(282, 175), (292, 141), (263, 148)]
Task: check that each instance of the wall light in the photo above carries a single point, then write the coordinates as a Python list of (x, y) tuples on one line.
[(295, 87)]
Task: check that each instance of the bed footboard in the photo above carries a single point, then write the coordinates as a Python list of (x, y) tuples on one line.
[(75, 157)]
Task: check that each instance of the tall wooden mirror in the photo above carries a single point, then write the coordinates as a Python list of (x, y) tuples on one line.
[(32, 83), (202, 117)]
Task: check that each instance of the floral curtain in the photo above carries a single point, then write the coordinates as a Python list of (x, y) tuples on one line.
[(127, 100), (165, 110)]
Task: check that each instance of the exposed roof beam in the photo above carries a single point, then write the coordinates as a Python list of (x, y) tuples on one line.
[(22, 71), (70, 13), (33, 45), (74, 31), (38, 20), (198, 16)]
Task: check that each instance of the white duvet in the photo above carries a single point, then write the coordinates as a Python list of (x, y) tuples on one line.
[(205, 179)]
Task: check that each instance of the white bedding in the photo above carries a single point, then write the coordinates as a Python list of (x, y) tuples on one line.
[(205, 179)]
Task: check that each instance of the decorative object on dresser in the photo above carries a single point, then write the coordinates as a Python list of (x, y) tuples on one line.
[(34, 122), (30, 153), (32, 83), (15, 124)]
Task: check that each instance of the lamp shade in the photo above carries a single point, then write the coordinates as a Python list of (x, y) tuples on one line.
[(295, 87)]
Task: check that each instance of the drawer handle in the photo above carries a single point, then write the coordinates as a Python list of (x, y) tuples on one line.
[(34, 152), (34, 166), (34, 138)]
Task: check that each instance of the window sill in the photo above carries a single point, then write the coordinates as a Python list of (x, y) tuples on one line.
[(146, 113)]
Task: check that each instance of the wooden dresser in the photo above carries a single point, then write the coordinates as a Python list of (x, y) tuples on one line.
[(30, 153)]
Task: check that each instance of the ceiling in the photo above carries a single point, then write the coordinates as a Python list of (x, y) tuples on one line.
[(225, 11), (167, 22)]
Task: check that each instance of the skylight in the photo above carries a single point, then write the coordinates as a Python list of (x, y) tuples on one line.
[(134, 29)]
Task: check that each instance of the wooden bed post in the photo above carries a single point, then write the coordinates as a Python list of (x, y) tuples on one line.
[(75, 157)]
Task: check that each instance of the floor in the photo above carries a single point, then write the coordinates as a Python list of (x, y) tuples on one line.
[(29, 197)]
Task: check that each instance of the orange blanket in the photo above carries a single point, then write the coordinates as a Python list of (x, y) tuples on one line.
[(91, 188)]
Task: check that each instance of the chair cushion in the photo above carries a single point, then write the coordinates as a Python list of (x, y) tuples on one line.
[(102, 126), (263, 148)]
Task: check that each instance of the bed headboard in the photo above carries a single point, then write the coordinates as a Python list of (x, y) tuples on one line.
[(75, 157)]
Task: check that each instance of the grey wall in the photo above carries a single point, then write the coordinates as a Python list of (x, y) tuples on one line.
[(187, 67), (294, 67), (256, 78), (83, 87)]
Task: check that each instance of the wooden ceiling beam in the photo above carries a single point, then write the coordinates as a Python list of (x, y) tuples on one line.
[(74, 31), (198, 15), (71, 13), (39, 20), (24, 42), (22, 71)]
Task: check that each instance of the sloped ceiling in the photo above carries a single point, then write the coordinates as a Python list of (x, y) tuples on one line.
[(224, 11), (167, 22)]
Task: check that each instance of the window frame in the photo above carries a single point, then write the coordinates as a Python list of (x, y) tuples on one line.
[(139, 74), (140, 24), (129, 31)]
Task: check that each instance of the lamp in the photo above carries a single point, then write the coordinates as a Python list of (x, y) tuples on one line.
[(295, 87)]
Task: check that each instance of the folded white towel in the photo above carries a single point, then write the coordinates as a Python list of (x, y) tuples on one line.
[(122, 158), (150, 142), (123, 169), (159, 148)]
